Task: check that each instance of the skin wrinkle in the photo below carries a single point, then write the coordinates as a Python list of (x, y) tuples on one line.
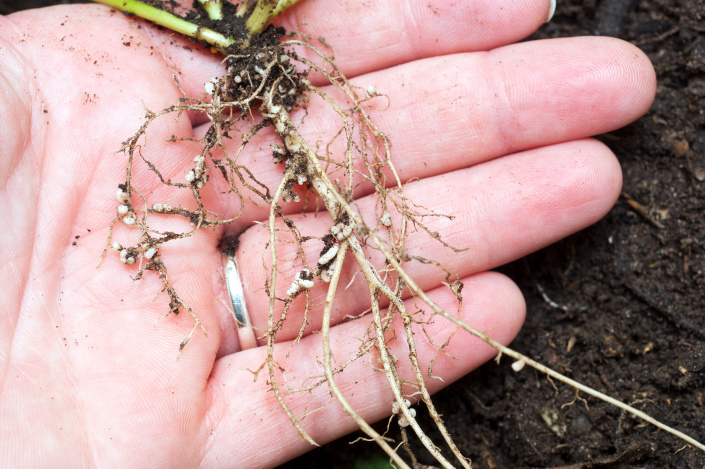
[(78, 414), (511, 101), (82, 412), (72, 376), (23, 271), (11, 156), (410, 24), (35, 358), (215, 411)]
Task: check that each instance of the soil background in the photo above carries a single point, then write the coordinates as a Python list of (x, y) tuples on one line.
[(617, 306)]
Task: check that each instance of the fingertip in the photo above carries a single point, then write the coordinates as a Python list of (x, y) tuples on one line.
[(497, 299), (563, 89), (492, 304), (602, 176), (588, 183), (627, 74), (639, 76), (608, 174)]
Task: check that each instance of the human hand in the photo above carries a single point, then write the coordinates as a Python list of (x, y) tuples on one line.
[(496, 138)]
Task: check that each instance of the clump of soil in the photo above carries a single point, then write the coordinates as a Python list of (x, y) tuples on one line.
[(618, 306)]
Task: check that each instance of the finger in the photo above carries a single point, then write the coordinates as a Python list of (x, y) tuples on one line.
[(367, 37), (245, 414), (452, 112), (502, 210)]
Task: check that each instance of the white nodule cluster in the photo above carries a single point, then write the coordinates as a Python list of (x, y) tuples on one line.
[(300, 283), (149, 253), (123, 210), (341, 231), (396, 410), (291, 196), (126, 258), (198, 173), (161, 208), (301, 179), (129, 256), (128, 217), (386, 219), (326, 257)]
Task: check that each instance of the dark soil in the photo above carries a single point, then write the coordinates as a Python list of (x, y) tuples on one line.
[(621, 308)]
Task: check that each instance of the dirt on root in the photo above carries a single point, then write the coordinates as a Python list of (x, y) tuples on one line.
[(618, 306)]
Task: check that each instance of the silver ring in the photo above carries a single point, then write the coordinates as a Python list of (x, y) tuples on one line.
[(245, 332)]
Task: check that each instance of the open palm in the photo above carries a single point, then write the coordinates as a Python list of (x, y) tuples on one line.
[(493, 132)]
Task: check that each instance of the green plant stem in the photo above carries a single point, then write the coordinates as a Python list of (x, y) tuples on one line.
[(166, 19), (260, 16), (214, 8), (264, 12), (244, 7), (283, 5)]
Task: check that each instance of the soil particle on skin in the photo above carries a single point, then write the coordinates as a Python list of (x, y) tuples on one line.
[(618, 306)]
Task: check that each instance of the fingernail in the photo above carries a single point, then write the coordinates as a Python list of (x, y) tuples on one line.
[(551, 11)]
